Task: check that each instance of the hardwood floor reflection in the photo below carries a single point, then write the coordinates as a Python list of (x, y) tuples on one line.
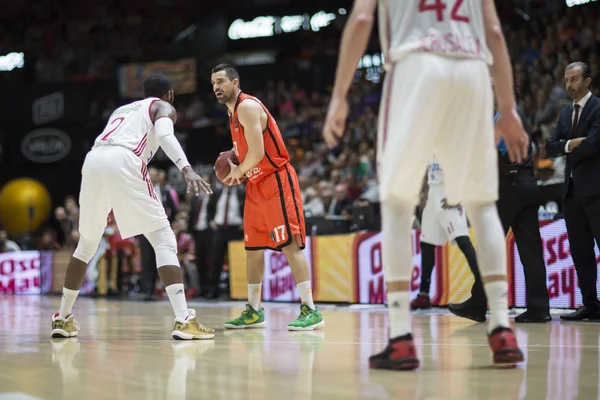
[(125, 352)]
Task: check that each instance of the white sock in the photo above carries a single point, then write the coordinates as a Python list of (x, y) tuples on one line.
[(497, 294), (396, 253), (306, 294), (398, 312), (491, 257), (66, 303), (254, 290), (396, 243), (176, 294)]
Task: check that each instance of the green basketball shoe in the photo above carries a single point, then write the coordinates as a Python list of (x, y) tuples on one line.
[(250, 318), (308, 320)]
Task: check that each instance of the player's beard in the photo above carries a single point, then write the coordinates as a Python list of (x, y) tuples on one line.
[(224, 99)]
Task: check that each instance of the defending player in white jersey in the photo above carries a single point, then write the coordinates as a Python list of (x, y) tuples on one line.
[(437, 100), (440, 223), (115, 176)]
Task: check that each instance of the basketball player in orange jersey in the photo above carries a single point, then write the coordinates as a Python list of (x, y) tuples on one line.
[(273, 211), (437, 99)]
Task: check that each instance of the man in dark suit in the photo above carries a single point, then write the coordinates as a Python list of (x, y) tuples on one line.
[(225, 214), (148, 257), (577, 136), (200, 229), (518, 203)]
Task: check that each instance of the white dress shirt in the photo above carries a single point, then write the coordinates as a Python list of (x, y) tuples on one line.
[(202, 223), (233, 210)]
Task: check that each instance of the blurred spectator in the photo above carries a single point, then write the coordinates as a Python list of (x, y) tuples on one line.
[(341, 202), (7, 245), (47, 242), (185, 255), (202, 232)]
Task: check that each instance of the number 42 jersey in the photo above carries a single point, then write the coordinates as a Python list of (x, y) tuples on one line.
[(451, 28), (132, 126)]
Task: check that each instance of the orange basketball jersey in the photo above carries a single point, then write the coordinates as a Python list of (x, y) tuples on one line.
[(276, 155)]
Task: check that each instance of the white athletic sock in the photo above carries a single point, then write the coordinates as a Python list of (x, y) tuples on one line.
[(398, 312), (497, 294), (396, 252), (66, 303), (176, 294), (306, 294), (254, 290), (491, 257)]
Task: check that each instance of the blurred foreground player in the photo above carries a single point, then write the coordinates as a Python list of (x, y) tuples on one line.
[(437, 99), (115, 176), (273, 211), (441, 223)]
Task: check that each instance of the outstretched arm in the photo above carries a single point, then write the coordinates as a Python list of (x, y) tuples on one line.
[(249, 113), (508, 125), (354, 43), (165, 117)]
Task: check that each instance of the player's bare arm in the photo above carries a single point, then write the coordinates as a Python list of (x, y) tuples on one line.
[(165, 116), (249, 113), (354, 43), (508, 125)]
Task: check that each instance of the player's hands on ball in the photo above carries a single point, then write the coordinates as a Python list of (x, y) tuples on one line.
[(335, 122), (194, 182), (509, 126), (235, 176)]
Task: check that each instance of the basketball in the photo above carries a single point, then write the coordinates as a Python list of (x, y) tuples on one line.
[(222, 167)]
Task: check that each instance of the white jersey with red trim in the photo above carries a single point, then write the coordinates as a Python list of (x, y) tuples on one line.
[(132, 126), (451, 28)]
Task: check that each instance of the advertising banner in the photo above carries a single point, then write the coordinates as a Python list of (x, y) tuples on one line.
[(182, 73), (370, 283), (349, 268), (561, 277), (278, 281), (20, 272)]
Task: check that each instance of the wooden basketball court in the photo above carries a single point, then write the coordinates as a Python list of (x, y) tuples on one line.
[(125, 352)]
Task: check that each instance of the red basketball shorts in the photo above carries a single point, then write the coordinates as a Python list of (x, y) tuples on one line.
[(273, 212)]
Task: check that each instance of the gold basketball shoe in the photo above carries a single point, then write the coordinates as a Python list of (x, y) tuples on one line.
[(64, 327), (189, 328)]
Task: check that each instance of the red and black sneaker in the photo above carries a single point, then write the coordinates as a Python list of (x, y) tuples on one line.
[(400, 355), (421, 302), (504, 346)]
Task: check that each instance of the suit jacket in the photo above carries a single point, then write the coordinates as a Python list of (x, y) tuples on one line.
[(194, 213), (211, 208), (518, 188), (583, 163)]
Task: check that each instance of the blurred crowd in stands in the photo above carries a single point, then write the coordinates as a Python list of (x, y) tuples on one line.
[(89, 40)]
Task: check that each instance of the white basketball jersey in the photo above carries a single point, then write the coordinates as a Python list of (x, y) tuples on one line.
[(451, 28), (131, 126), (435, 175)]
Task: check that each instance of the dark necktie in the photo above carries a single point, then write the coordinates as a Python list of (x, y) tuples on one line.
[(227, 205), (576, 119)]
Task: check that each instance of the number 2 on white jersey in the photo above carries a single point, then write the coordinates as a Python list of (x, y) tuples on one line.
[(440, 5), (115, 123)]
